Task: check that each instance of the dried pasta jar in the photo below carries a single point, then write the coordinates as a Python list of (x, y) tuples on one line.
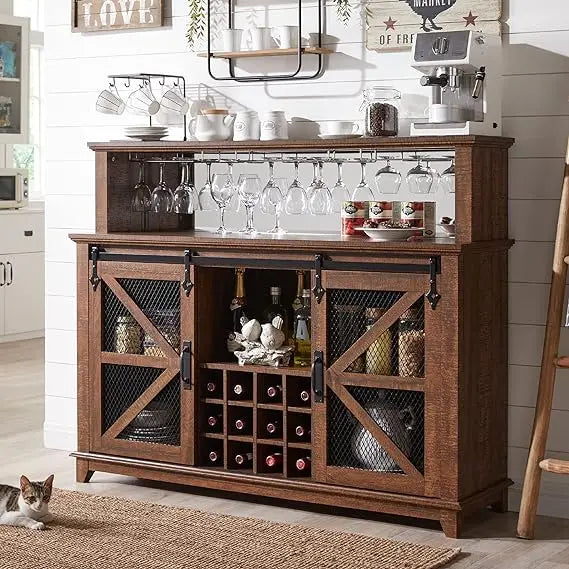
[(411, 346), (381, 108), (128, 336)]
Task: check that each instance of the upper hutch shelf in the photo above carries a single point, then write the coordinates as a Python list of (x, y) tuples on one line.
[(277, 52)]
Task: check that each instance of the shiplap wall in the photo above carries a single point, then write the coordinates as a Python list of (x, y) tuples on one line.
[(536, 113)]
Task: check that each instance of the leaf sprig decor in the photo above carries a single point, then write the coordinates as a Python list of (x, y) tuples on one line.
[(343, 10), (196, 24)]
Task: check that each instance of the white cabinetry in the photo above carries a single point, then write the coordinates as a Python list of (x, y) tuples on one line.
[(21, 274)]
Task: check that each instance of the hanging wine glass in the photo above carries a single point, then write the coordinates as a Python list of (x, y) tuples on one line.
[(448, 179), (419, 179), (435, 174), (205, 200), (162, 197), (340, 192), (249, 193), (222, 191), (185, 194), (315, 180), (296, 201), (142, 198), (320, 201), (388, 179), (363, 192)]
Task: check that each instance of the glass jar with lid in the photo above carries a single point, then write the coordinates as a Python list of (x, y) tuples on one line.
[(381, 107)]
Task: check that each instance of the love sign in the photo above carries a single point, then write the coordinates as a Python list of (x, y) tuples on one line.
[(108, 15)]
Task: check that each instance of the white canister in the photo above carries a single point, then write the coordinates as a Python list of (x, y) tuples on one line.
[(274, 126), (247, 126)]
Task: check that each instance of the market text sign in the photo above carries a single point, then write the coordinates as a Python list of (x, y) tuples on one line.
[(107, 15), (393, 24)]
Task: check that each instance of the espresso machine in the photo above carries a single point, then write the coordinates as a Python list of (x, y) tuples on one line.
[(463, 69)]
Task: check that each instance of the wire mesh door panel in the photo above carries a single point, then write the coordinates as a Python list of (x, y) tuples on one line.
[(140, 406)]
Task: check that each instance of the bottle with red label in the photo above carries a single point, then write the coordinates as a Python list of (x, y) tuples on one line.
[(303, 465), (274, 460)]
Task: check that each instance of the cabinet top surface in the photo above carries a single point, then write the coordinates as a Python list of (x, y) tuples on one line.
[(289, 243), (385, 143)]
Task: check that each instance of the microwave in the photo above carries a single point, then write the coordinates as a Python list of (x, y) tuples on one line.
[(14, 188)]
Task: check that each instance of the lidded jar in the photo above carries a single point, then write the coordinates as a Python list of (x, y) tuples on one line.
[(381, 108)]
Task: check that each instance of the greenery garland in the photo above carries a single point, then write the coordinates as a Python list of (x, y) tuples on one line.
[(197, 18)]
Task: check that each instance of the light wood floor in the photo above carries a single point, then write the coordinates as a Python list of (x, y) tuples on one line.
[(489, 542)]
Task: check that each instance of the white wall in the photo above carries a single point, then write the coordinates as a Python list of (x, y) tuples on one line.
[(536, 113)]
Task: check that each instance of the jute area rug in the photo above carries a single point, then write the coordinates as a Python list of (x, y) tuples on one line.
[(113, 533)]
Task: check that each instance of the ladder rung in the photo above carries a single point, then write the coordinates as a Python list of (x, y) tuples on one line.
[(562, 361), (554, 465)]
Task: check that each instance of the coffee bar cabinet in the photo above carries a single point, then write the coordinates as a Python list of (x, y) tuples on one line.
[(403, 408)]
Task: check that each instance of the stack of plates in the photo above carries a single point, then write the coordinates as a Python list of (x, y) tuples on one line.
[(165, 434), (146, 132)]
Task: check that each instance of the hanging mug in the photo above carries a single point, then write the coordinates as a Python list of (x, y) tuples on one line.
[(286, 37)]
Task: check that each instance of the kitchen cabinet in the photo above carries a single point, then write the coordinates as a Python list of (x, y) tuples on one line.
[(22, 280), (404, 408)]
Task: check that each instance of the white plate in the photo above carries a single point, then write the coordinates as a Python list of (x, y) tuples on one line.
[(338, 136), (449, 228), (158, 131), (147, 138), (384, 234)]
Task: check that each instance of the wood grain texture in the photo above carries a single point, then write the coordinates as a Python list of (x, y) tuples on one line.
[(113, 15)]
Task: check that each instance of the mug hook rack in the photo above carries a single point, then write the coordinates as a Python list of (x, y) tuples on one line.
[(146, 79)]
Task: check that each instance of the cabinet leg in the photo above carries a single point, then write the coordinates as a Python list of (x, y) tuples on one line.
[(501, 505), (82, 472), (451, 523)]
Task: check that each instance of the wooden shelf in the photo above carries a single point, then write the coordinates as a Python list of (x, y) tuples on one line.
[(10, 80), (229, 366), (240, 438), (276, 52), (214, 435), (240, 403), (292, 409), (306, 446), (271, 442), (213, 401), (271, 406)]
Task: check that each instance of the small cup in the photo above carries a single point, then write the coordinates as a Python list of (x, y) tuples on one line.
[(231, 39), (143, 102), (259, 38), (110, 103), (340, 128), (173, 101), (285, 37)]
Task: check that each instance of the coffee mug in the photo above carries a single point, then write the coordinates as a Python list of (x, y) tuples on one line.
[(259, 38), (285, 36), (340, 128), (143, 102), (232, 39), (173, 101), (110, 103)]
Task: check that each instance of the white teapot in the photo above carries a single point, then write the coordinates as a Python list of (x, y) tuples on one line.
[(212, 124)]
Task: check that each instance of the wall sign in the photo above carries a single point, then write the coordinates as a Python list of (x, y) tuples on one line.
[(392, 24), (108, 15)]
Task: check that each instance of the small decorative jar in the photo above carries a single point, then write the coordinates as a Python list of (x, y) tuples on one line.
[(128, 336), (411, 344), (381, 107), (274, 126), (247, 126), (380, 212), (354, 215)]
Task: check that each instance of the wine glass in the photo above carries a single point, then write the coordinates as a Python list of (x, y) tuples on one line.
[(435, 174), (340, 192), (296, 201), (315, 180), (448, 179), (388, 179), (142, 199), (272, 199), (419, 179), (363, 192), (320, 201), (185, 193), (222, 191), (205, 200), (249, 193), (162, 196)]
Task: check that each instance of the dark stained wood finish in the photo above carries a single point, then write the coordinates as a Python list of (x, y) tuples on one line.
[(465, 380)]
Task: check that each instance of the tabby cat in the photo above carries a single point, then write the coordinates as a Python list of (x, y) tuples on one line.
[(26, 506)]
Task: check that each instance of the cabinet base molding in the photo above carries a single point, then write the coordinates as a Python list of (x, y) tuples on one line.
[(450, 514), (24, 336)]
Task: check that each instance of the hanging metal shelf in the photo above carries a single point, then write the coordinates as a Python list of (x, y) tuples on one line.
[(314, 51)]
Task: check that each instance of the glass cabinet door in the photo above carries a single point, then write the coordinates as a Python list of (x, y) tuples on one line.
[(14, 79)]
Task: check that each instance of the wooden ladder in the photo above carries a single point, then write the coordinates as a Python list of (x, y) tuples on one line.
[(550, 362)]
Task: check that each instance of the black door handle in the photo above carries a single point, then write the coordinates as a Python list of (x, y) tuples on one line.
[(3, 274), (186, 365), (8, 264), (318, 377)]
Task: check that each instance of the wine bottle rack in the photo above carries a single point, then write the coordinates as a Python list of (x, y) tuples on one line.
[(252, 405)]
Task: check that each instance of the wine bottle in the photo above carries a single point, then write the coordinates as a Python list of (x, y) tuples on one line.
[(302, 351), (305, 396), (274, 459), (240, 424), (302, 432), (243, 459), (274, 427), (240, 390), (297, 303), (274, 391), (215, 420), (276, 309), (211, 387), (237, 306), (214, 456), (303, 464)]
